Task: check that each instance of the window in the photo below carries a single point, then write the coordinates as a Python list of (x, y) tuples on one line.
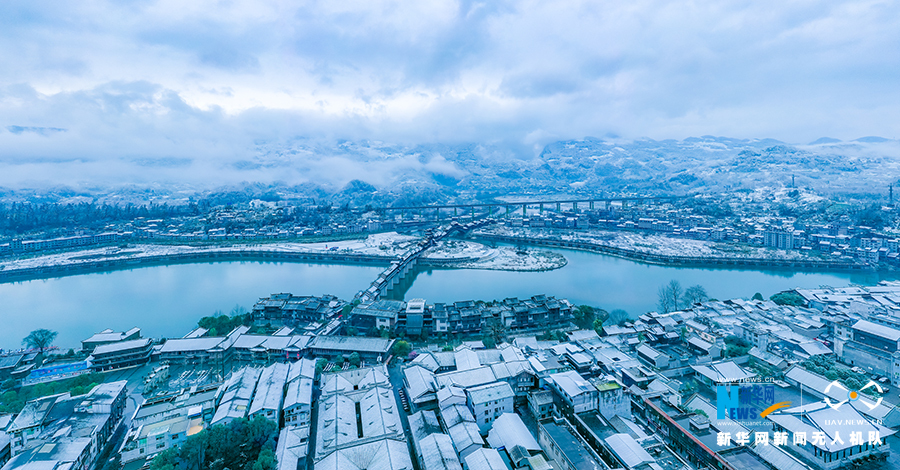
[(485, 412)]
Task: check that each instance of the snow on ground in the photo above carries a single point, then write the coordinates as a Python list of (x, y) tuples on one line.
[(509, 259), (454, 249), (479, 256), (391, 244), (652, 243)]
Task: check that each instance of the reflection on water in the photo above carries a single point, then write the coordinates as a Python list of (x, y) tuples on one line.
[(161, 300), (168, 300), (611, 282)]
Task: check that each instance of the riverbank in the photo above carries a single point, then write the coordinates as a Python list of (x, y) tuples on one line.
[(166, 298), (378, 249), (668, 257)]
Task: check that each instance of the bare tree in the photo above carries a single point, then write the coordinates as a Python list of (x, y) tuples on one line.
[(664, 302), (694, 295), (40, 339), (617, 317), (670, 296), (675, 293)]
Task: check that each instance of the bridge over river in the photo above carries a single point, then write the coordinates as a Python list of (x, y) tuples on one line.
[(400, 267), (506, 208)]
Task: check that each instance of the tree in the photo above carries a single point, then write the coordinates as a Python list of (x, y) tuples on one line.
[(584, 316), (493, 334), (670, 296), (736, 346), (266, 460), (401, 348), (241, 444), (598, 326), (788, 298), (354, 359), (617, 317), (320, 364), (664, 303), (40, 339), (695, 295), (757, 296), (221, 324), (873, 216)]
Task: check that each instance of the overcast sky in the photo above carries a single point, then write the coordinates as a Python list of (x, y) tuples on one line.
[(176, 79)]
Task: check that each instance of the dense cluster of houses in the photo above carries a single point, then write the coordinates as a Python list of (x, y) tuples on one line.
[(415, 317), (645, 394), (650, 387)]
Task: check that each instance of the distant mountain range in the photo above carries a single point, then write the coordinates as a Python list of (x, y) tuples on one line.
[(364, 172)]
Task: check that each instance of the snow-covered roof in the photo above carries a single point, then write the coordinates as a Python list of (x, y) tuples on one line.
[(508, 430), (302, 368), (420, 383), (270, 389), (572, 383), (511, 353), (422, 423), (628, 450), (490, 392), (881, 331), (699, 343), (467, 378), (455, 414), (384, 454), (723, 372), (485, 459), (438, 453), (293, 445), (818, 416), (504, 370), (427, 361), (466, 359), (464, 435), (451, 395), (121, 346), (299, 393)]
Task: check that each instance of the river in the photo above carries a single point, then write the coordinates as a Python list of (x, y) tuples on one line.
[(168, 300)]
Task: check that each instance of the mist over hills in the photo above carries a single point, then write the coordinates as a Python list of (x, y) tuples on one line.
[(374, 173)]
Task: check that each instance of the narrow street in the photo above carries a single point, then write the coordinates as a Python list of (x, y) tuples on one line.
[(395, 374)]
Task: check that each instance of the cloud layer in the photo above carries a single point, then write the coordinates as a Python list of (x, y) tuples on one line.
[(114, 88)]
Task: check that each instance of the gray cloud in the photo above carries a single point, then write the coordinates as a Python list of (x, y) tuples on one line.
[(166, 89)]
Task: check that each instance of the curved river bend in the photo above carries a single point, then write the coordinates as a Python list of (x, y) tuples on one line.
[(168, 300)]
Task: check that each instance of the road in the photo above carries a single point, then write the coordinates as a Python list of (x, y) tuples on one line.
[(395, 374)]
